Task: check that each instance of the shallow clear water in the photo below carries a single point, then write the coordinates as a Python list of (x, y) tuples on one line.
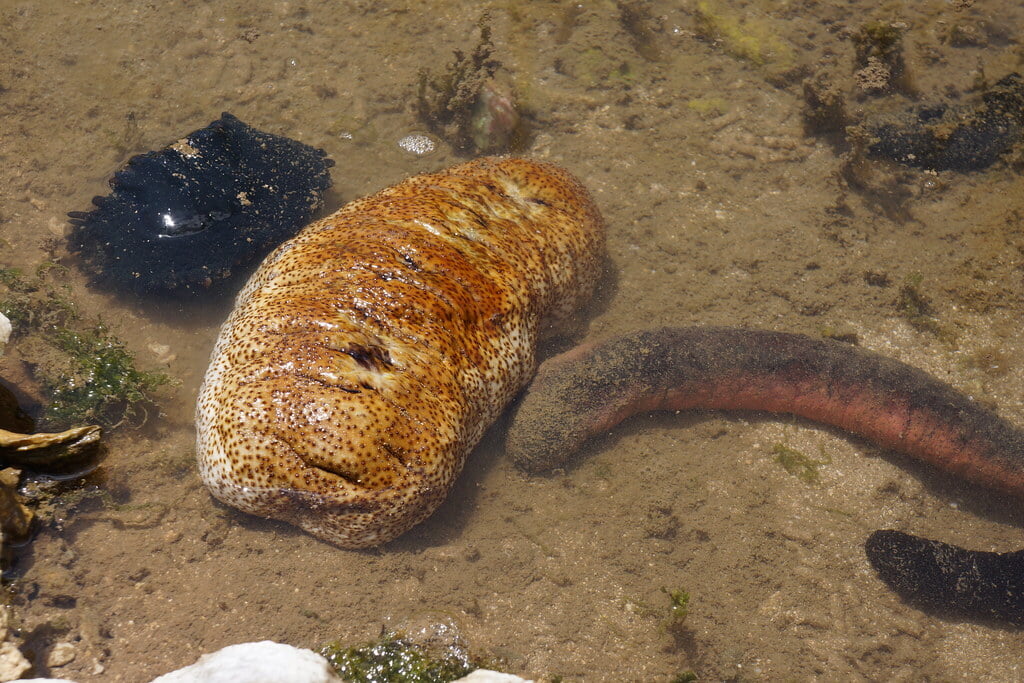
[(720, 210)]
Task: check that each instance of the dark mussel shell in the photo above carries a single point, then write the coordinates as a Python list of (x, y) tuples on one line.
[(187, 217)]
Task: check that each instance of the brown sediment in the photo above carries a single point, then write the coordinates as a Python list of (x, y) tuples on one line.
[(367, 355), (892, 404)]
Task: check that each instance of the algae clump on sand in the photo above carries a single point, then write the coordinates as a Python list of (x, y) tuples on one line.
[(798, 464), (99, 382), (755, 40), (468, 105), (397, 659), (85, 374)]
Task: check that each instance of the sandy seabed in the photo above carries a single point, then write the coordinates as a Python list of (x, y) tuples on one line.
[(720, 210)]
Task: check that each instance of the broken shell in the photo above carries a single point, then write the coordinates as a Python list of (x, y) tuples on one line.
[(45, 448), (418, 144), (163, 352)]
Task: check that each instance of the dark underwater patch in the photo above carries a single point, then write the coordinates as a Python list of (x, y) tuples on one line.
[(942, 137), (186, 218), (950, 580)]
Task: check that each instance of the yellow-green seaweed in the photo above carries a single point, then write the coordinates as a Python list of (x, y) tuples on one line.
[(754, 40), (685, 677), (679, 606), (799, 465), (708, 106)]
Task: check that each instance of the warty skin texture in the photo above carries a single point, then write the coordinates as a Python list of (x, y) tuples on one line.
[(366, 356)]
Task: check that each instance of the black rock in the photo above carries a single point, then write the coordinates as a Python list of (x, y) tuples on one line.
[(942, 137), (188, 217)]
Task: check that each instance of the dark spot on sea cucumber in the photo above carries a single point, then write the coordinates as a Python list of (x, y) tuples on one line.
[(369, 357), (189, 217)]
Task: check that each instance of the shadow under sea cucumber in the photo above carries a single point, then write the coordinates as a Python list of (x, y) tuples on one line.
[(592, 388), (186, 218)]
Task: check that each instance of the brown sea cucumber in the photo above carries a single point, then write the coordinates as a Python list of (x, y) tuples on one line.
[(366, 356), (892, 404)]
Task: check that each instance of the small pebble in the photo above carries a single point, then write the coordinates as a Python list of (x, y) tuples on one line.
[(162, 352), (60, 654), (57, 226)]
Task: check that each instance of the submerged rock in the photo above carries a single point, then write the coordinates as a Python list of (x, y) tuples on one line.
[(191, 215), (943, 137), (12, 663), (15, 518)]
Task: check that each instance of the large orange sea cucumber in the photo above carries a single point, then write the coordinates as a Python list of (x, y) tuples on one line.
[(366, 356)]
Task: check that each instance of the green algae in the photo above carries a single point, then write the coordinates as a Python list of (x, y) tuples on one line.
[(798, 464), (393, 658), (754, 40), (85, 373), (679, 607), (685, 677), (99, 383), (708, 106), (594, 68)]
